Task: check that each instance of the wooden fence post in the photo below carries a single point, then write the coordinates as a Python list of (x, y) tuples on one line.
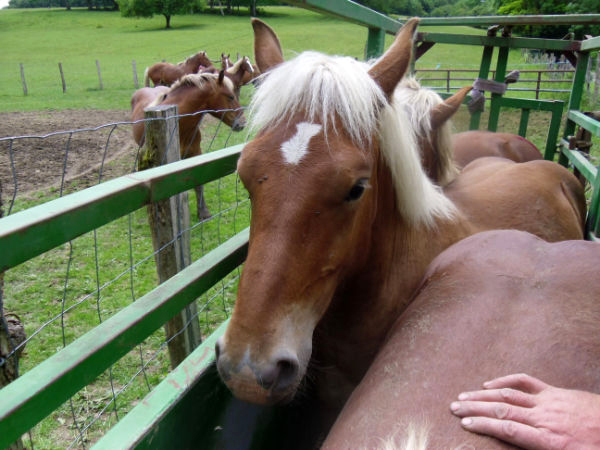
[(23, 78), (62, 77), (99, 74), (170, 222), (135, 78)]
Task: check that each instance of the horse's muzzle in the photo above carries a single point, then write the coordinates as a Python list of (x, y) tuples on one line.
[(239, 123)]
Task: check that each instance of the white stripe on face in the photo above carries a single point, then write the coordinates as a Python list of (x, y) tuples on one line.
[(295, 149)]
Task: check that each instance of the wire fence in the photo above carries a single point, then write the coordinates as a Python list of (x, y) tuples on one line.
[(65, 292)]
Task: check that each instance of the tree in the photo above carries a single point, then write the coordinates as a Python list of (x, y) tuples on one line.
[(147, 8)]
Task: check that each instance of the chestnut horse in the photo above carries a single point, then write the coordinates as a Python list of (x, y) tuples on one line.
[(470, 145), (194, 95), (165, 74), (495, 303), (345, 221)]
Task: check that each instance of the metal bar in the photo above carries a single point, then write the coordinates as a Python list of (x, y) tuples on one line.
[(375, 43), (500, 74), (591, 44), (575, 98), (579, 160), (553, 130), (523, 123), (496, 41), (33, 396), (584, 121), (154, 409), (556, 19), (484, 70), (351, 12), (43, 227)]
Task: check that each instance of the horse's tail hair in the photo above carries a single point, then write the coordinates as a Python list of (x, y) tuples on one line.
[(147, 77)]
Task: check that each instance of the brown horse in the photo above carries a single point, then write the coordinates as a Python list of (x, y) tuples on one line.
[(194, 95), (345, 221), (495, 303), (470, 145), (165, 74), (241, 73), (430, 117)]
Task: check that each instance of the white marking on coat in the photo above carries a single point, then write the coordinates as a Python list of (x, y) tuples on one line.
[(294, 149)]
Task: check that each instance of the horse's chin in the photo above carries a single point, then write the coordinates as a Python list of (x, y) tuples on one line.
[(254, 393)]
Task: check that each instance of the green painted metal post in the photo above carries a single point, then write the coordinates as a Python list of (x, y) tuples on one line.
[(575, 98), (551, 142), (375, 43), (484, 70), (524, 121), (500, 74)]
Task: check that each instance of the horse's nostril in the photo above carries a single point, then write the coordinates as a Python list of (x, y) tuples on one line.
[(217, 349)]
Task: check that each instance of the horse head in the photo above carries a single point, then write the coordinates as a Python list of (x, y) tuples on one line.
[(225, 61), (224, 102), (240, 73), (430, 117), (314, 177)]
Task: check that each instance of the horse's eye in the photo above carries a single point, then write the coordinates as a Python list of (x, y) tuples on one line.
[(231, 98), (357, 190)]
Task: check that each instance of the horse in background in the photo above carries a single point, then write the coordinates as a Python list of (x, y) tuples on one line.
[(470, 145), (345, 221), (165, 74), (497, 302), (194, 95), (430, 117)]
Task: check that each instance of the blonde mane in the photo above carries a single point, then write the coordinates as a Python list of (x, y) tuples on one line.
[(418, 103), (326, 88)]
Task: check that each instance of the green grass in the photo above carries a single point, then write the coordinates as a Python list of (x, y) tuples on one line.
[(40, 39)]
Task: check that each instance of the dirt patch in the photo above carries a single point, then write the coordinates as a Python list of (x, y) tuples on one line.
[(50, 149)]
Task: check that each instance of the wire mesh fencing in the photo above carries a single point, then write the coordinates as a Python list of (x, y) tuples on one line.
[(63, 293)]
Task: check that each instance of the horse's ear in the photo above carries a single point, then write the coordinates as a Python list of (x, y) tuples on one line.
[(267, 49), (391, 67), (442, 112), (221, 76)]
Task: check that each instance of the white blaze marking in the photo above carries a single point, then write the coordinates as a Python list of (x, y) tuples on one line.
[(295, 149)]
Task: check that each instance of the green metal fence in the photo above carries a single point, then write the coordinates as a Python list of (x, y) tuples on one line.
[(158, 421)]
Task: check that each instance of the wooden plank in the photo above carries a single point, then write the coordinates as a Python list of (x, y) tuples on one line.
[(46, 226), (38, 392)]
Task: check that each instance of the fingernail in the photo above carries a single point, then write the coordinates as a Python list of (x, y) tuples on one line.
[(486, 384), (467, 421), (454, 406), (463, 396)]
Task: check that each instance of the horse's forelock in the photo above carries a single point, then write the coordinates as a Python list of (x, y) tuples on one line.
[(324, 88)]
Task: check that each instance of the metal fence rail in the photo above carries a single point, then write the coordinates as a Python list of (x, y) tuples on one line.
[(94, 248)]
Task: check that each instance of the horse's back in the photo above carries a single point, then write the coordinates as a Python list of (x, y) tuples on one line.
[(540, 197), (470, 145), (495, 303)]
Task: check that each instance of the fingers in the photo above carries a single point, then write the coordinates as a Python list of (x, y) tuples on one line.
[(505, 395), (519, 434), (521, 381), (494, 410)]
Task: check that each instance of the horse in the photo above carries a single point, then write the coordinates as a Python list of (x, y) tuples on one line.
[(241, 73), (165, 74), (470, 145), (430, 117), (194, 95), (225, 62), (345, 221), (497, 302)]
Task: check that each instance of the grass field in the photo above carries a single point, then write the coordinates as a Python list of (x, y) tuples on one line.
[(40, 288)]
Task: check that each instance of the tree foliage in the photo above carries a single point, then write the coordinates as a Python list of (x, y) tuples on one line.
[(166, 8)]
